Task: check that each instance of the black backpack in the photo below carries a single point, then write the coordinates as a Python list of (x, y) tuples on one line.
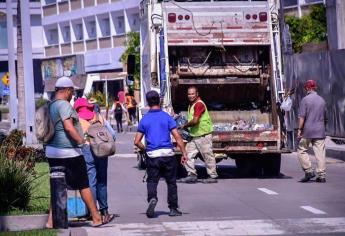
[(118, 109)]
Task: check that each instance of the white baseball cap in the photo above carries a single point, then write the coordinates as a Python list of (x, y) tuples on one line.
[(65, 82)]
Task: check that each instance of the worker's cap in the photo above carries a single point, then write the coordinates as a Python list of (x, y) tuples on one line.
[(310, 84), (65, 82)]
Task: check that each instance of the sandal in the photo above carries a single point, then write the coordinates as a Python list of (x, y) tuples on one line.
[(107, 218)]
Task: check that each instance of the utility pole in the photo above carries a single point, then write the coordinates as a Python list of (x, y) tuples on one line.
[(12, 67), (28, 74)]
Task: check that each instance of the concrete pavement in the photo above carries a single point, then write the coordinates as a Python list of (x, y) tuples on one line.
[(234, 206)]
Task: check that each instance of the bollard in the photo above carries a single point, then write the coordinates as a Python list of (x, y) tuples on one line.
[(58, 197)]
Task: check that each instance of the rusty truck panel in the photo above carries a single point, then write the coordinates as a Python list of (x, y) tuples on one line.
[(224, 24)]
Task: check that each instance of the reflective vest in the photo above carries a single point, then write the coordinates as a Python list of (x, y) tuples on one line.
[(204, 126)]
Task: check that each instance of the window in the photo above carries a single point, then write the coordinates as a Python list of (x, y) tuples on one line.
[(66, 33), (78, 31), (52, 36), (105, 27), (91, 29)]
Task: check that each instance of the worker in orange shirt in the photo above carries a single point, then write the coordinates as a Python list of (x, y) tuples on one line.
[(131, 106)]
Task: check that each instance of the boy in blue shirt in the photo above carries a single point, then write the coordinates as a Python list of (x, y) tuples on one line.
[(157, 126)]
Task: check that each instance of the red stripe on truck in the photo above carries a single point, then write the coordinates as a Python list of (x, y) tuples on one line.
[(184, 28), (200, 41), (175, 41), (251, 40), (234, 27), (209, 28)]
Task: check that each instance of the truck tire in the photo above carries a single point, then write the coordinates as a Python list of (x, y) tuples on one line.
[(248, 166), (141, 162), (271, 164)]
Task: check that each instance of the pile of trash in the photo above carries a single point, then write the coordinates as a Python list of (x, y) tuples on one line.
[(241, 125), (180, 121)]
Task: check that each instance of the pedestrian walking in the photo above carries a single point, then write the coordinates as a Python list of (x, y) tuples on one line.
[(65, 148), (97, 168), (157, 126), (131, 106), (118, 109), (200, 128), (311, 130)]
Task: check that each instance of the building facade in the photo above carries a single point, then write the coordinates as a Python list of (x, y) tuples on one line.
[(36, 38), (95, 29), (299, 8)]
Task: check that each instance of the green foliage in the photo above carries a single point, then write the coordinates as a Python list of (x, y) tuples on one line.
[(37, 232), (40, 102), (311, 28), (15, 184), (4, 109), (133, 48), (100, 98), (17, 174)]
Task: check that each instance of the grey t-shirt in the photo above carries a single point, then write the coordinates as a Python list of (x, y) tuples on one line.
[(313, 109), (61, 110)]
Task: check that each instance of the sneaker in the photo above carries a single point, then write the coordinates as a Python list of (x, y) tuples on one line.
[(308, 176), (320, 180), (175, 212), (190, 179), (150, 212), (210, 180)]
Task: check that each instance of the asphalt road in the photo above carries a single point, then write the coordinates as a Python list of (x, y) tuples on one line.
[(233, 206)]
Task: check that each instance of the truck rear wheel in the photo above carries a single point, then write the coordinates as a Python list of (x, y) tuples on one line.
[(247, 166), (271, 164)]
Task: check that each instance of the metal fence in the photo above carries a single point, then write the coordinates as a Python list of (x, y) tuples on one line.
[(328, 69)]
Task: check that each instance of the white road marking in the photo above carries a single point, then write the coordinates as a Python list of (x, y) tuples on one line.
[(224, 228), (124, 155), (313, 210), (269, 192)]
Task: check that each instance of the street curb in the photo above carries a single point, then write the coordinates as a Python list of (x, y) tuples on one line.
[(336, 154), (30, 222), (22, 222)]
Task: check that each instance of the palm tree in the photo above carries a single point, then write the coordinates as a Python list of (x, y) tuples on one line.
[(20, 73)]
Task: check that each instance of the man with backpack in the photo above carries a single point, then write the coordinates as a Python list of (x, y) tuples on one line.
[(64, 149), (157, 126)]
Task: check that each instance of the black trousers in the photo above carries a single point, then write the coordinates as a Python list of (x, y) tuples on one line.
[(118, 118), (162, 167)]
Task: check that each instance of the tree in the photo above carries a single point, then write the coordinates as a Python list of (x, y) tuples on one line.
[(20, 73), (311, 28), (133, 48)]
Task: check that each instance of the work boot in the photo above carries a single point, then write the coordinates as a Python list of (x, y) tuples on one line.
[(175, 212), (190, 179), (320, 180), (210, 180), (150, 212), (308, 176)]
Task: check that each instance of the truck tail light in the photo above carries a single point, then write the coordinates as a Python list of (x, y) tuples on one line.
[(263, 16), (172, 17), (255, 16), (186, 17), (260, 145), (248, 16)]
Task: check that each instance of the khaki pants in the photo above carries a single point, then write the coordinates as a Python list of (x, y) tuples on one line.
[(320, 154), (203, 145)]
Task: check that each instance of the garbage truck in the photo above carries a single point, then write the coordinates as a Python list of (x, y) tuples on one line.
[(229, 50)]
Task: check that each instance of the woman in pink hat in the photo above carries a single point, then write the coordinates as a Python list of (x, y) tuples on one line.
[(97, 168)]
